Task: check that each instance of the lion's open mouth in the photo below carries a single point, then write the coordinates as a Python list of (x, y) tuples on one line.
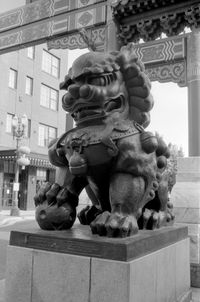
[(84, 112), (114, 104)]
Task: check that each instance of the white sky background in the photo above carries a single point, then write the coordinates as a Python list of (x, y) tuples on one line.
[(169, 117), (6, 5)]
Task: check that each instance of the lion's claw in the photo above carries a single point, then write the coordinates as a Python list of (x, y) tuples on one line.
[(114, 225), (152, 219), (88, 214)]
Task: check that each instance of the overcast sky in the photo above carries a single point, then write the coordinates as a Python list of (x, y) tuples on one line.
[(169, 115), (6, 5)]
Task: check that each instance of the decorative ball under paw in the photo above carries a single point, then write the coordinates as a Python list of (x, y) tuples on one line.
[(54, 217)]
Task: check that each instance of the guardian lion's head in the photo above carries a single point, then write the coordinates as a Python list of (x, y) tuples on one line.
[(112, 85)]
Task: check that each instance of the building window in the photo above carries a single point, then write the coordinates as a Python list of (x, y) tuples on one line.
[(46, 135), (41, 174), (29, 128), (31, 52), (41, 177), (50, 64), (12, 78), (9, 120), (49, 97), (9, 167), (29, 86)]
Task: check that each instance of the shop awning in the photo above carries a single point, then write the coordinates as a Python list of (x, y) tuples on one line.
[(36, 159)]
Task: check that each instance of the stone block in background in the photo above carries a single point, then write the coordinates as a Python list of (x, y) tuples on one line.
[(186, 200)]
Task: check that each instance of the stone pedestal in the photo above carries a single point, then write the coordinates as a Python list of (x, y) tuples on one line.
[(186, 200), (74, 265)]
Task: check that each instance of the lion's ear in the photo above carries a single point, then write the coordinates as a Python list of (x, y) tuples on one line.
[(140, 109), (137, 83), (127, 58), (142, 118), (142, 104), (67, 81), (140, 99)]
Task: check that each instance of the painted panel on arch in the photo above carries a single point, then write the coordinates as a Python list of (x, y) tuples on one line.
[(41, 10), (75, 40), (163, 50), (47, 26)]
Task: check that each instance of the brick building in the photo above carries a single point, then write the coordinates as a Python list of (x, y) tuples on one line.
[(30, 85)]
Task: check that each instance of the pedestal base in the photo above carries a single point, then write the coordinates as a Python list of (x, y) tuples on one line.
[(74, 265)]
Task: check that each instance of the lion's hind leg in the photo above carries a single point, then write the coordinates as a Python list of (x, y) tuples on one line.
[(126, 194)]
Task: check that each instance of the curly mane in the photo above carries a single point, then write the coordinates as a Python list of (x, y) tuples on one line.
[(137, 83)]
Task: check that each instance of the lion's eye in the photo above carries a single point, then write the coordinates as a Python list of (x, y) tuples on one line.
[(98, 81), (102, 80)]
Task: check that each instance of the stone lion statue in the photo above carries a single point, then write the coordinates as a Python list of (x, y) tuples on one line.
[(108, 153)]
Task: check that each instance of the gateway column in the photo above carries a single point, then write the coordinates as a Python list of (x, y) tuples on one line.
[(186, 192), (111, 39), (193, 79)]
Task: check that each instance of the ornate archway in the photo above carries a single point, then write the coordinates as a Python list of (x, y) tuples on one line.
[(111, 23)]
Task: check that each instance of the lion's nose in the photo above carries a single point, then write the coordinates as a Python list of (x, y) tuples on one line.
[(85, 91)]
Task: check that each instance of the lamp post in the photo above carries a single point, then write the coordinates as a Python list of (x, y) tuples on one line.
[(19, 126)]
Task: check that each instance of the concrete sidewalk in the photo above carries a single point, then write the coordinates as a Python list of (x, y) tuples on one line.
[(6, 219), (23, 213), (195, 294), (2, 287)]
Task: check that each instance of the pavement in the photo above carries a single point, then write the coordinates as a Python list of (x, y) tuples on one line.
[(2, 287), (195, 294), (7, 222), (6, 219)]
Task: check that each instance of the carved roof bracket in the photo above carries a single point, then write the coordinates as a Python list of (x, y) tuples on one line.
[(148, 19)]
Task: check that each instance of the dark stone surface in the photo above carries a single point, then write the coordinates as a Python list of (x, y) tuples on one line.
[(195, 274), (80, 241)]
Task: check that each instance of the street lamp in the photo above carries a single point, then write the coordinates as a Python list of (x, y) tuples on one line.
[(19, 126)]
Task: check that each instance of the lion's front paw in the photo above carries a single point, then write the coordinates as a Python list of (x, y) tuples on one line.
[(114, 225)]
